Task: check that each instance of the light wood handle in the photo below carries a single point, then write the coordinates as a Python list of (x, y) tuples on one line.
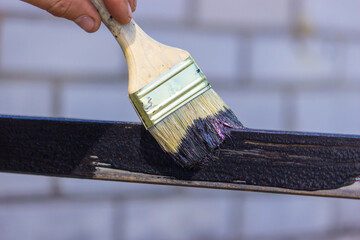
[(146, 58)]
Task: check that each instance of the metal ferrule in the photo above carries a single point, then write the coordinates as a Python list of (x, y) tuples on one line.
[(172, 90)]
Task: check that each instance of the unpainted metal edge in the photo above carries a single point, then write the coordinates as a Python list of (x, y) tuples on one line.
[(108, 174)]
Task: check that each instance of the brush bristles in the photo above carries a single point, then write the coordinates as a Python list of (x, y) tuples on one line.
[(194, 130)]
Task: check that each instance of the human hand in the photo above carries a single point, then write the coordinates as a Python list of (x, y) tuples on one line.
[(84, 14)]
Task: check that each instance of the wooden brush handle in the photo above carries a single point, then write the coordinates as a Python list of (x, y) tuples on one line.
[(146, 58)]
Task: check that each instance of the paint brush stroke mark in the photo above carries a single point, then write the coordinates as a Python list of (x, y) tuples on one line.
[(74, 148), (299, 162)]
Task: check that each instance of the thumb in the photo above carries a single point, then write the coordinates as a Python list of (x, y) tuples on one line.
[(82, 12)]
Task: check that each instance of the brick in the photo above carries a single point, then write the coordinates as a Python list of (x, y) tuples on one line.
[(58, 46), (175, 218), (282, 60), (19, 7), (25, 98), (216, 54), (279, 215), (160, 10), (92, 188), (329, 111), (56, 220), (12, 185), (245, 13), (348, 236), (335, 15), (155, 9), (347, 218), (353, 63), (97, 101), (194, 192), (255, 109)]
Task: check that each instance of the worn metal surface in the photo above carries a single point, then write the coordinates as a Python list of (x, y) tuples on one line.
[(252, 160)]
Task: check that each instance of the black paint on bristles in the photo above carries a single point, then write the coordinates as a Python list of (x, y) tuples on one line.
[(195, 130), (204, 136)]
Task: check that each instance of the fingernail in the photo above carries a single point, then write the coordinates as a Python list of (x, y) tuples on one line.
[(85, 22), (129, 10)]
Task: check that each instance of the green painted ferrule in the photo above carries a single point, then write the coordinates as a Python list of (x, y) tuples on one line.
[(170, 91)]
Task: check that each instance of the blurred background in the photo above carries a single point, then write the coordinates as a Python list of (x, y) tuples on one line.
[(279, 64)]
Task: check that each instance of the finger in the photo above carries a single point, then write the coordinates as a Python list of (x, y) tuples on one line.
[(120, 10), (82, 12), (133, 4)]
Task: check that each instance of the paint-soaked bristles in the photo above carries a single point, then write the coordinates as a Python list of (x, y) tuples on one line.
[(196, 129)]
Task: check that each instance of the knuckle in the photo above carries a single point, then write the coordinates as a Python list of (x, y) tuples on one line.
[(133, 4), (60, 8)]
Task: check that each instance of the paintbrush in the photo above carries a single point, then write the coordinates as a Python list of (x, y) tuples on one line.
[(171, 95)]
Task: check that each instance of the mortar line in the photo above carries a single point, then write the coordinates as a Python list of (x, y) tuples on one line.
[(245, 58), (117, 221), (234, 221), (1, 41), (296, 7), (55, 112), (308, 85), (289, 109), (191, 9), (56, 95), (324, 33), (332, 234), (88, 197)]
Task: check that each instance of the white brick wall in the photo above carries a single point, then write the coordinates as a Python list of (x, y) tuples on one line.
[(353, 63), (19, 7), (19, 97), (217, 55), (276, 215), (97, 101), (341, 16), (176, 218), (12, 185), (245, 13), (108, 190), (56, 220), (348, 210), (269, 76), (287, 60), (329, 111), (57, 46), (161, 10), (350, 236), (252, 107)]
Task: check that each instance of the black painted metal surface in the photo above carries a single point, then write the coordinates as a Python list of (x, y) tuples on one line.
[(61, 147)]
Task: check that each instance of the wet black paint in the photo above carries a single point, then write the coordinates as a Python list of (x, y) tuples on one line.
[(297, 161), (204, 136)]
